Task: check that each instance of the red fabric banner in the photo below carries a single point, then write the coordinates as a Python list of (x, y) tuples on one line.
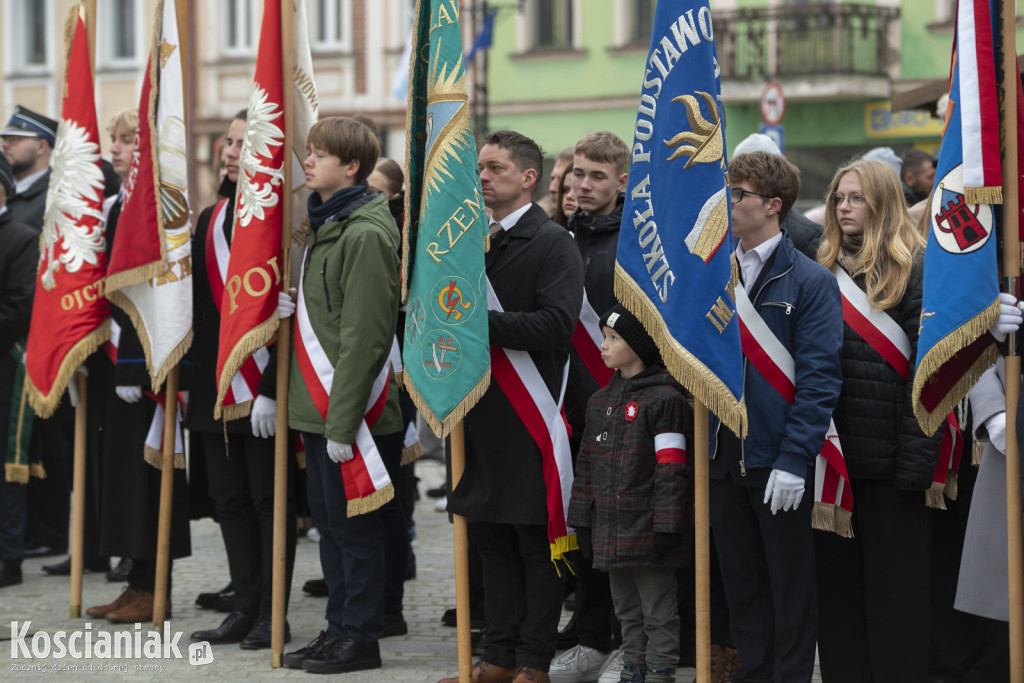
[(249, 301), (70, 311)]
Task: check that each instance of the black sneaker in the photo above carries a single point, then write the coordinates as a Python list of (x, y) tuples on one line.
[(394, 625), (344, 654), (294, 660), (316, 588)]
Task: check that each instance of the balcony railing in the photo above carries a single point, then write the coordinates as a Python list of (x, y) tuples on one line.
[(805, 40)]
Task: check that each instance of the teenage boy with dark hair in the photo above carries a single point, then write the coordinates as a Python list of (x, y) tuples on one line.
[(345, 327), (762, 532), (537, 278)]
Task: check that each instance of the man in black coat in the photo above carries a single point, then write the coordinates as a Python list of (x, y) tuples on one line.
[(536, 273), (18, 261), (28, 140)]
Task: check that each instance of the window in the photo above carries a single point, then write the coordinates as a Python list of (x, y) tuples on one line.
[(239, 26), (643, 22), (116, 39), (329, 27), (29, 45), (552, 24)]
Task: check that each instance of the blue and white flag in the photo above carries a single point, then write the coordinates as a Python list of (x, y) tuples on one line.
[(961, 285), (674, 267)]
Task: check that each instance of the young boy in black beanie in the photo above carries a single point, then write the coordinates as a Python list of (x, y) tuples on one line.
[(632, 499)]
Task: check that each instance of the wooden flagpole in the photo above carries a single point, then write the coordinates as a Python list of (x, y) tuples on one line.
[(78, 488), (1011, 271), (78, 471), (284, 339), (163, 537), (457, 442), (163, 534), (702, 541)]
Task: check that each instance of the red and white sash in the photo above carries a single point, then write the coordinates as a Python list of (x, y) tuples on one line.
[(521, 382), (367, 485), (586, 339), (886, 337), (245, 383), (833, 497), (110, 346)]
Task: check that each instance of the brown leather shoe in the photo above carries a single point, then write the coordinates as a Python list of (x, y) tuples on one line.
[(139, 611), (485, 672), (127, 596), (528, 673)]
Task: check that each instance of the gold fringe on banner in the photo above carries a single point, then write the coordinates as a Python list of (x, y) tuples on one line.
[(833, 518), (976, 452), (245, 347), (37, 470), (412, 453), (933, 496), (940, 354), (15, 474), (559, 552), (704, 384), (374, 501), (951, 486), (156, 375), (155, 458), (984, 195), (46, 404), (236, 411), (444, 427)]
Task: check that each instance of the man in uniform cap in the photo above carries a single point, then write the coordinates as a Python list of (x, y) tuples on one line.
[(28, 140)]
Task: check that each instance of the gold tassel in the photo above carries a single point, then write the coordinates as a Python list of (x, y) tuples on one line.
[(155, 458), (823, 517), (36, 469), (561, 546), (977, 449), (412, 453), (374, 501), (15, 474), (933, 496), (844, 523), (235, 411), (984, 195), (951, 486)]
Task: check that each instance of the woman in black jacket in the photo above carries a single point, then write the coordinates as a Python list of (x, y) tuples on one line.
[(873, 588)]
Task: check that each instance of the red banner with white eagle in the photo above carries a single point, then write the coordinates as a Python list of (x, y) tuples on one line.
[(150, 269), (249, 303), (70, 311)]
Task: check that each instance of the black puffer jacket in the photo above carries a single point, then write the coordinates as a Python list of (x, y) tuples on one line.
[(597, 238), (875, 417)]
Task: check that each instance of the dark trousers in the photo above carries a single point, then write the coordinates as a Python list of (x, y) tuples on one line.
[(396, 533), (351, 548), (49, 499), (12, 504), (142, 576), (241, 484), (522, 594), (768, 572), (873, 589), (594, 612)]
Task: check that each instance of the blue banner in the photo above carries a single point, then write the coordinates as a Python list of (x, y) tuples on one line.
[(674, 267)]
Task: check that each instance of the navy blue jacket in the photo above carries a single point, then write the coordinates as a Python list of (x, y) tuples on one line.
[(799, 301)]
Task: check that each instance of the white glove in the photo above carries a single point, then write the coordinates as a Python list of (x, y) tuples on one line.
[(784, 490), (286, 304), (996, 428), (129, 394), (339, 452), (73, 384), (1009, 317), (263, 416)]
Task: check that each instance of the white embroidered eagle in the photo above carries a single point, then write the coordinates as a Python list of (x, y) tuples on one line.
[(74, 196), (261, 133)]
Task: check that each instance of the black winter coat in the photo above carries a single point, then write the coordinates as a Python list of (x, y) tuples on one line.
[(536, 273), (875, 415), (29, 206), (206, 334), (621, 492), (18, 262), (597, 238)]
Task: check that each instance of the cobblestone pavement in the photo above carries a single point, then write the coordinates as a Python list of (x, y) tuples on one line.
[(427, 653)]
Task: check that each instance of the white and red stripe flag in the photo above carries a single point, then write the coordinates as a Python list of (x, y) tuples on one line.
[(150, 270)]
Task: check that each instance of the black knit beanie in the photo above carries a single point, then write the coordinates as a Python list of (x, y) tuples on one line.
[(632, 331)]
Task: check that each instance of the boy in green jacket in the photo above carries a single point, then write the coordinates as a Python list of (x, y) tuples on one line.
[(341, 389)]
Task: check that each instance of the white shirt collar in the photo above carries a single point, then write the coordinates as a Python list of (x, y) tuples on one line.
[(3, 209), (26, 182), (752, 262), (509, 221)]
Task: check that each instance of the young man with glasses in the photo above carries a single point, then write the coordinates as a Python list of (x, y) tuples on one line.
[(761, 524)]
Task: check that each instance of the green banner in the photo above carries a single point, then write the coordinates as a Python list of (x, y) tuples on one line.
[(446, 352)]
